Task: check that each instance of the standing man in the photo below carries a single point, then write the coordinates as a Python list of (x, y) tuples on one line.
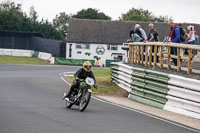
[(182, 33), (153, 36), (175, 38), (182, 37)]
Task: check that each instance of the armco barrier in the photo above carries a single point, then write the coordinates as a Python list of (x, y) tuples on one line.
[(26, 53), (160, 90), (16, 52)]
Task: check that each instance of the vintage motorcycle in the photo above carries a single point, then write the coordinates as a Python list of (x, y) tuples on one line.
[(81, 96)]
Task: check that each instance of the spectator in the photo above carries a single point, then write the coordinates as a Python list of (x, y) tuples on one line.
[(191, 38), (135, 37), (153, 36), (182, 33), (182, 37), (175, 38), (143, 33)]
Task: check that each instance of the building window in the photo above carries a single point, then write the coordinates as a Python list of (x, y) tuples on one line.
[(78, 46), (86, 46), (113, 47), (82, 46)]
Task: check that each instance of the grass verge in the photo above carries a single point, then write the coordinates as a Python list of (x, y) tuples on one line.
[(105, 86), (21, 60)]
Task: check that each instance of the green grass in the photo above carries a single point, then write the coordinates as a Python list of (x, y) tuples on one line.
[(103, 78), (21, 60)]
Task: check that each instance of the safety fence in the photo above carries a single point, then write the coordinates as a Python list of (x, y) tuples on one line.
[(27, 53), (148, 53), (76, 62), (165, 91)]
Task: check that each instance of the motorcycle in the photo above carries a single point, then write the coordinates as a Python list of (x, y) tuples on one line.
[(81, 96)]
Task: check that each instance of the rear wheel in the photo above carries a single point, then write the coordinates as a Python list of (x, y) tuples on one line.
[(85, 99)]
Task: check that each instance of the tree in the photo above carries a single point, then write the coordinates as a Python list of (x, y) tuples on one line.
[(33, 14), (61, 22), (91, 14), (163, 19), (12, 18), (143, 15)]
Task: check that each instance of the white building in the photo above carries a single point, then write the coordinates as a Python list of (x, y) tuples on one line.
[(95, 39)]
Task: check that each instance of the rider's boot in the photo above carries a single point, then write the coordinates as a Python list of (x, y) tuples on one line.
[(64, 96)]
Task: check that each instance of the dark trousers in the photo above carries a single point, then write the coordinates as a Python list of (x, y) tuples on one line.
[(157, 58), (174, 52), (73, 87), (194, 52)]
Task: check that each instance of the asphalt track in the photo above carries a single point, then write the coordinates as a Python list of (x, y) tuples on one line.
[(30, 102)]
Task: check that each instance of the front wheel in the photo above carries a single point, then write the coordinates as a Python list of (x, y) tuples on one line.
[(85, 99), (68, 104)]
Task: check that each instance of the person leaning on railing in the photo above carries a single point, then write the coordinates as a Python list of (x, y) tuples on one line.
[(175, 38), (191, 38), (153, 37), (134, 37)]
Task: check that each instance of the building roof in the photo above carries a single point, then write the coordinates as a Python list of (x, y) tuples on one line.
[(110, 32), (20, 34)]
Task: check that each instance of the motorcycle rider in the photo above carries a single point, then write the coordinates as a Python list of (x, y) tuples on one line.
[(82, 73)]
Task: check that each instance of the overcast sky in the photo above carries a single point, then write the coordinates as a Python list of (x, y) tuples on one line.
[(180, 10)]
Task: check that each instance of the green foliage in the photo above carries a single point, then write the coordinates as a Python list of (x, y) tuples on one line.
[(163, 19), (91, 13), (143, 15), (33, 14), (13, 19), (61, 23)]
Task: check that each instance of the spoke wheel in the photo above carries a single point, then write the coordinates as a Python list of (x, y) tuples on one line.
[(85, 99), (68, 104)]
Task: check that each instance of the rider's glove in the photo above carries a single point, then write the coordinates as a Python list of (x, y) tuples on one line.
[(95, 86)]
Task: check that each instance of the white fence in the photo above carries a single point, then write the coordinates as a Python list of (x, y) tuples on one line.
[(26, 53)]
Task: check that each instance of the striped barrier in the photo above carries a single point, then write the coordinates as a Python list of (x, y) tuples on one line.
[(165, 91)]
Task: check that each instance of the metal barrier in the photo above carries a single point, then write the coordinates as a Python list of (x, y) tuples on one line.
[(157, 89), (147, 53), (27, 53)]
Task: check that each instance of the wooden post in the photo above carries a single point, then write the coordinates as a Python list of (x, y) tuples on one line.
[(139, 54), (155, 57), (146, 55), (142, 55), (168, 57), (161, 57), (189, 61), (178, 60), (132, 54), (135, 54), (129, 58), (150, 56)]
